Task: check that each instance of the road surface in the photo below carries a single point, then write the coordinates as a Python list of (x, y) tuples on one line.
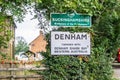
[(116, 68)]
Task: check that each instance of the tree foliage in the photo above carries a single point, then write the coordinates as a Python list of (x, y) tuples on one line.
[(15, 8), (105, 40), (10, 10), (21, 45)]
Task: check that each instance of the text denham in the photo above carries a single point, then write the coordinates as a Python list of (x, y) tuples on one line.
[(70, 36)]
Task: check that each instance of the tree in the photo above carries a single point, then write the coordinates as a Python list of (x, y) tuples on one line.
[(104, 40), (21, 45), (10, 11), (15, 8)]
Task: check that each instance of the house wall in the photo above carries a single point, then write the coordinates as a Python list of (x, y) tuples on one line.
[(39, 44)]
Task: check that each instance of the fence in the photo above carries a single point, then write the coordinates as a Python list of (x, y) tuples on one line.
[(16, 71)]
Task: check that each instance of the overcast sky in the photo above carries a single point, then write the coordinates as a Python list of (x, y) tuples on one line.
[(27, 29)]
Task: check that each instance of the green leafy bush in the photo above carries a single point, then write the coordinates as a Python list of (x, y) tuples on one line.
[(105, 40)]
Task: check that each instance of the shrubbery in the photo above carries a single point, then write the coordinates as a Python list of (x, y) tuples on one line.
[(105, 40)]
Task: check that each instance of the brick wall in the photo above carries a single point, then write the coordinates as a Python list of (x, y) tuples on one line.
[(38, 44)]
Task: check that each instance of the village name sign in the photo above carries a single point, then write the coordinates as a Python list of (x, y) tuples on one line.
[(66, 43)]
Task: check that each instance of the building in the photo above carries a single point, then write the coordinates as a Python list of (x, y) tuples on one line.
[(38, 44), (35, 47)]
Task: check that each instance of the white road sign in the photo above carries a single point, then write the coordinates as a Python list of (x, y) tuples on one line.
[(66, 43)]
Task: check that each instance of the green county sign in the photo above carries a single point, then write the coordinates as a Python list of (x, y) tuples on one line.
[(73, 19)]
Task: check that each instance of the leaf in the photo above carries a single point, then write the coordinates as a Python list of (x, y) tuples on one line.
[(115, 14), (1, 2), (39, 1)]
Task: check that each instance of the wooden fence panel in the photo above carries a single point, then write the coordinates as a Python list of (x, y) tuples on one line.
[(10, 71)]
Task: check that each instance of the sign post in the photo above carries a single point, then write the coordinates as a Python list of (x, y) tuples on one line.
[(70, 20), (66, 43)]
